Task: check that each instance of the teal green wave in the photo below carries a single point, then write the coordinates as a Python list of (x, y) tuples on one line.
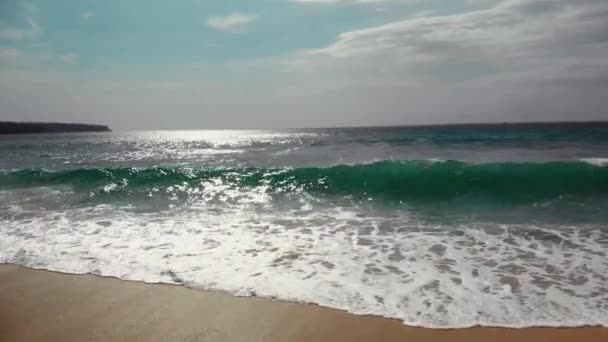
[(394, 180)]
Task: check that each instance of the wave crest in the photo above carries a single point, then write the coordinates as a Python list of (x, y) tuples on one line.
[(392, 180)]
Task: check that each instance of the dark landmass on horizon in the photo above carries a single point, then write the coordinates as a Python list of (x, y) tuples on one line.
[(11, 127)]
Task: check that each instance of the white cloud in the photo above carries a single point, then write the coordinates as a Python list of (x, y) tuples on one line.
[(8, 54), (513, 37), (8, 32), (13, 58), (522, 60), (231, 23), (31, 12), (35, 28), (87, 14), (353, 1), (514, 60), (322, 1), (70, 58)]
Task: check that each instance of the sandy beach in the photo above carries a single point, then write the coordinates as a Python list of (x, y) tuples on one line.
[(46, 306)]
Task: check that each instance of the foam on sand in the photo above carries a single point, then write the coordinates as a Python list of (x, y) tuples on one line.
[(346, 257)]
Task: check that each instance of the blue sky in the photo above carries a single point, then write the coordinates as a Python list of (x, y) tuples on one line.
[(169, 34), (239, 57)]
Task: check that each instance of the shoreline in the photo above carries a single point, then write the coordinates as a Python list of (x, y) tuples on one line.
[(40, 305)]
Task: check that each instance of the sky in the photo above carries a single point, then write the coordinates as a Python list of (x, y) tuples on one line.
[(197, 64)]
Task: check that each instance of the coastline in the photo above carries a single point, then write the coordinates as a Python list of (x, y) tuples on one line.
[(38, 305), (18, 128)]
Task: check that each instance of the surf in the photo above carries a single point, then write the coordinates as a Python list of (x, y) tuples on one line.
[(413, 181)]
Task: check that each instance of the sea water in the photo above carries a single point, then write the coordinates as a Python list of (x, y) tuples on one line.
[(453, 226)]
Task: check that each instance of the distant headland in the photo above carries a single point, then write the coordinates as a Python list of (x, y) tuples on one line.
[(11, 127)]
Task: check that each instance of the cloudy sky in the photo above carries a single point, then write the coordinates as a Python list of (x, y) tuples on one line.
[(152, 64)]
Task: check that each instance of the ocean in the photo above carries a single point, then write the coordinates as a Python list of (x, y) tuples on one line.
[(438, 226)]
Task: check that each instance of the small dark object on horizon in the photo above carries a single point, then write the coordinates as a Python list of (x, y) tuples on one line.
[(9, 127)]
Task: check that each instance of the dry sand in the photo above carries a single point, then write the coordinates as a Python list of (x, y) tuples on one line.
[(47, 306)]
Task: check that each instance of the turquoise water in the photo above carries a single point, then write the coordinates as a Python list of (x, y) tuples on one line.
[(452, 226)]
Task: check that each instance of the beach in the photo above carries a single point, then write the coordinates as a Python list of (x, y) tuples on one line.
[(431, 227), (40, 305), (304, 170)]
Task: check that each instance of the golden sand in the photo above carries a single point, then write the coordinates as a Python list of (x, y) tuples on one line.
[(46, 306)]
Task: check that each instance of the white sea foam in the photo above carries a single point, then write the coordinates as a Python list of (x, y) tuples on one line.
[(342, 257), (596, 161)]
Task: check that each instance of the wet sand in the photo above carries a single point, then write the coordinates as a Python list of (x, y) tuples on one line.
[(46, 306)]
